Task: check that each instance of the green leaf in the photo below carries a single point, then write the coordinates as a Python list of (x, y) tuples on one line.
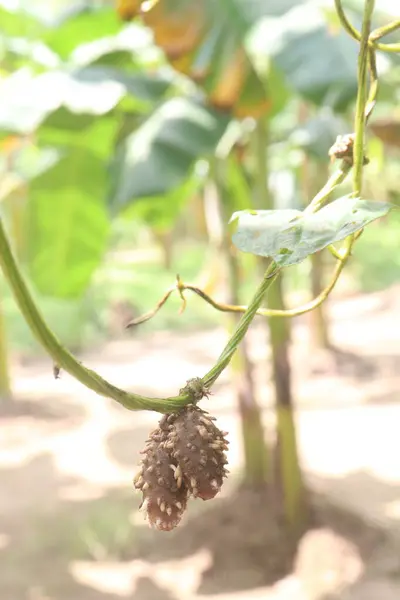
[(83, 26), (21, 52), (132, 46), (319, 63), (145, 88), (148, 88), (158, 157), (68, 224), (44, 12), (289, 236), (67, 216), (27, 100), (97, 135), (16, 22), (63, 120), (242, 14), (162, 212), (31, 161)]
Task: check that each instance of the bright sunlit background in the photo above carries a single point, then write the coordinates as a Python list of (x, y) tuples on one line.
[(127, 141)]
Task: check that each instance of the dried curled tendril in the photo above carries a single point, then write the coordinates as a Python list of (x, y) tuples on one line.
[(183, 457)]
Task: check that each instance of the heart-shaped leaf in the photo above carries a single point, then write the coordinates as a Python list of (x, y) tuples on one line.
[(289, 236), (158, 156)]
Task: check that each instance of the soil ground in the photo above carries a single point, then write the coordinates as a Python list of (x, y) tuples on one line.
[(69, 522)]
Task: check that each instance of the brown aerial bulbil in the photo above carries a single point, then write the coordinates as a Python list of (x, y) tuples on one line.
[(199, 450), (164, 496), (343, 149), (184, 456)]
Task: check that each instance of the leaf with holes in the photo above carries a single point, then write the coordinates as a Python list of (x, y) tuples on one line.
[(289, 236)]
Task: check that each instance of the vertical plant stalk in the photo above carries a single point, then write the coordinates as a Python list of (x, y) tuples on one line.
[(254, 446), (362, 97), (288, 466), (5, 379), (16, 211), (319, 319), (214, 232), (14, 207), (164, 240)]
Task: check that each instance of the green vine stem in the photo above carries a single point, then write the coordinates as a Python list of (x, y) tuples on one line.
[(373, 85), (66, 361), (5, 380), (242, 327), (364, 104), (61, 356), (382, 31), (316, 204), (237, 308), (358, 162), (379, 33), (360, 116), (324, 194)]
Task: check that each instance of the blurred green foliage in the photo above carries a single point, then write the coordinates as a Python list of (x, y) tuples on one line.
[(142, 280), (102, 140)]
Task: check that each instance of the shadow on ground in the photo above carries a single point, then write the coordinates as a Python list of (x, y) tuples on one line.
[(345, 363), (46, 410), (36, 549), (248, 545)]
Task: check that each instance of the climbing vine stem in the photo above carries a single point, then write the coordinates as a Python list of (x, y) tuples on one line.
[(362, 95), (377, 34), (61, 356), (64, 360), (242, 326)]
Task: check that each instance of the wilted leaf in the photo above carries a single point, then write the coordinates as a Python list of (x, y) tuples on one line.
[(204, 39), (289, 236), (128, 9)]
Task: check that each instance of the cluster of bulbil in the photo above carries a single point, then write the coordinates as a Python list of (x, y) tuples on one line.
[(185, 456), (343, 148)]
